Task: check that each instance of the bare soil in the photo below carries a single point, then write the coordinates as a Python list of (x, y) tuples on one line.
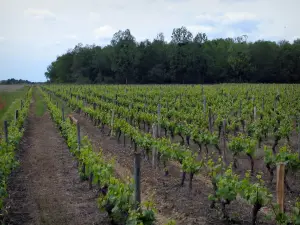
[(12, 87), (46, 189), (172, 201)]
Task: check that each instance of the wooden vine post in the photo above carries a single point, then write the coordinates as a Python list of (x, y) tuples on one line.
[(275, 103), (112, 123), (298, 136), (73, 120), (17, 115), (78, 135), (280, 185), (158, 117), (158, 131), (137, 178), (224, 140), (130, 118), (6, 131), (154, 154), (204, 105), (240, 110), (91, 180), (63, 113), (210, 120)]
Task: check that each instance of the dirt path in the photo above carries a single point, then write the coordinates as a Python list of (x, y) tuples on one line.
[(46, 189)]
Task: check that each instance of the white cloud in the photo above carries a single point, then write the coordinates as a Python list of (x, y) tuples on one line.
[(94, 17), (2, 39), (105, 31), (71, 36), (207, 17), (200, 28), (294, 38), (40, 13), (234, 17), (226, 18)]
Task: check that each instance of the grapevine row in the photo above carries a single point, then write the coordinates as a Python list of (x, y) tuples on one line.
[(116, 196), (8, 161)]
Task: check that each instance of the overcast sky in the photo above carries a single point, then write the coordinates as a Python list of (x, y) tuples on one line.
[(34, 32)]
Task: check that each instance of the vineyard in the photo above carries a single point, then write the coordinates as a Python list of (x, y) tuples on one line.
[(15, 117), (165, 154), (8, 94)]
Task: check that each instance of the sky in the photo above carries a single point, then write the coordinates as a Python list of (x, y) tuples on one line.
[(34, 32)]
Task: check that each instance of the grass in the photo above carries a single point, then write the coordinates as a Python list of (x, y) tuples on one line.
[(40, 105), (40, 109), (7, 97)]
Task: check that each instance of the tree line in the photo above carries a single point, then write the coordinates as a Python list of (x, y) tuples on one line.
[(14, 81), (185, 59)]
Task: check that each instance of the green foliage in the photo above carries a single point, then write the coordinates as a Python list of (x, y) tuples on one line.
[(7, 150), (285, 155), (180, 61), (236, 145), (227, 187), (215, 169), (190, 163), (270, 158), (205, 137), (242, 144), (255, 193), (296, 213), (286, 218)]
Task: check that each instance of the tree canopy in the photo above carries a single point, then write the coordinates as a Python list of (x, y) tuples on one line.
[(14, 81), (185, 59)]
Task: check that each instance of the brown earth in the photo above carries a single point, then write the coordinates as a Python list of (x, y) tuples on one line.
[(46, 189), (10, 87)]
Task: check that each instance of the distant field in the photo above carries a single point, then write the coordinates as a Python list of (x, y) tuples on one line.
[(8, 93), (10, 88)]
